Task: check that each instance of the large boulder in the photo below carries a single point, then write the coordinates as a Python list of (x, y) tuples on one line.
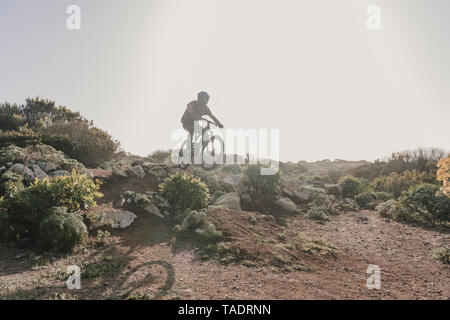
[(47, 166), (246, 201), (287, 204), (231, 182), (136, 172), (213, 182), (301, 197), (118, 174), (153, 209), (157, 171), (38, 172), (230, 200), (59, 173), (120, 219), (21, 169), (287, 192)]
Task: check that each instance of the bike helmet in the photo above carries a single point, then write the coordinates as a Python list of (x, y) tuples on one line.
[(202, 95)]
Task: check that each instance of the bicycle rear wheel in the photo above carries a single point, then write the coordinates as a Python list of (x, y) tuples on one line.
[(184, 163)]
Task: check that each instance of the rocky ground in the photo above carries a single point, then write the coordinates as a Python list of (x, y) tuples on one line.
[(274, 252), (147, 261)]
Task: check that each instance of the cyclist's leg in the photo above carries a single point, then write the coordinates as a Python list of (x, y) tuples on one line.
[(189, 127)]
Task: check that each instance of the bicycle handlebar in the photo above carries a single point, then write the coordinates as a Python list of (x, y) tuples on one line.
[(209, 122)]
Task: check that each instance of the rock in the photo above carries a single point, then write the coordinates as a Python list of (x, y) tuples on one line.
[(120, 219), (246, 201), (362, 218), (20, 168), (47, 166), (160, 201), (136, 172), (141, 200), (9, 164), (119, 202), (268, 217), (3, 170), (287, 204), (230, 200), (287, 192), (59, 173), (334, 189), (157, 171), (38, 172), (20, 255), (301, 196), (137, 163), (231, 182), (153, 209), (213, 182), (119, 174)]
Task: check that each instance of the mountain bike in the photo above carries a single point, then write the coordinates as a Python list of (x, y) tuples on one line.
[(212, 145)]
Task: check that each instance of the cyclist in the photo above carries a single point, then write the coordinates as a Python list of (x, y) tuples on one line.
[(194, 112)]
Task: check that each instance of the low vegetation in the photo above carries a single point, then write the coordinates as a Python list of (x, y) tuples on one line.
[(28, 214), (442, 254), (41, 121), (262, 183), (185, 191)]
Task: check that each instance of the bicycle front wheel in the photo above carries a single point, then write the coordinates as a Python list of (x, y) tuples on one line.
[(213, 153)]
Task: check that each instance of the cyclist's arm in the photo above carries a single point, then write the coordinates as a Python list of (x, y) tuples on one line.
[(214, 118)]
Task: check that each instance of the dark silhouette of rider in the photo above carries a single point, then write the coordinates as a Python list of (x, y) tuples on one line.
[(195, 111)]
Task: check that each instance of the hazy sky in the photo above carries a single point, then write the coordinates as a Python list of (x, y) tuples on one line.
[(310, 68)]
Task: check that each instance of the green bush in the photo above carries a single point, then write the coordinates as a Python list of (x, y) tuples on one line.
[(10, 182), (387, 209), (81, 141), (351, 186), (195, 222), (21, 137), (422, 160), (24, 210), (61, 231), (320, 206), (186, 191), (262, 183), (232, 168), (365, 199), (159, 156), (427, 202), (40, 120), (369, 199), (318, 213), (443, 255), (10, 117), (396, 183)]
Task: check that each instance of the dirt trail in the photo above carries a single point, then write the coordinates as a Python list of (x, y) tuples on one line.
[(404, 254), (152, 262)]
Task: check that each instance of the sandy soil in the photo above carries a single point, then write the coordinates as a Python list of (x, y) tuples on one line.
[(148, 261)]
